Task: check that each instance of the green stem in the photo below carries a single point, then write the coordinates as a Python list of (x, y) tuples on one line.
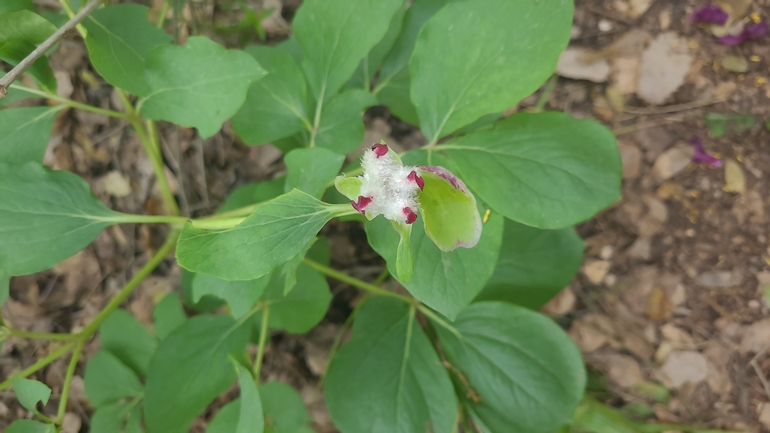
[(355, 282), (71, 13), (546, 95), (53, 356), (65, 393), (66, 102), (162, 15), (150, 146), (219, 224), (115, 302), (317, 117), (40, 335), (263, 330), (240, 212), (433, 316), (146, 219)]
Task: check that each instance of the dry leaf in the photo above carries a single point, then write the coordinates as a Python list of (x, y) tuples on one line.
[(735, 64), (735, 180)]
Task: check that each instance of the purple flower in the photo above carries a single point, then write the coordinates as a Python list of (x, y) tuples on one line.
[(709, 14), (753, 31), (701, 155)]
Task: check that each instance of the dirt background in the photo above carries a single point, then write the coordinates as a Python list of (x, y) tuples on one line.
[(668, 308)]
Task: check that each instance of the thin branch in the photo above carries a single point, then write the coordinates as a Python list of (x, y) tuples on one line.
[(45, 46)]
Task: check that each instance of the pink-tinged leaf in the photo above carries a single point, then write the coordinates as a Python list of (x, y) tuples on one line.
[(753, 31), (701, 155), (448, 210)]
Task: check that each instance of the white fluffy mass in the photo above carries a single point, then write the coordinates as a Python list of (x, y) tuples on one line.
[(385, 181)]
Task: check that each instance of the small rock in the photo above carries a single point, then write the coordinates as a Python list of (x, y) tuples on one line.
[(116, 184), (657, 209), (623, 370), (561, 304), (571, 65), (591, 332), (672, 162), (718, 279), (663, 68), (763, 411), (606, 252), (596, 270), (625, 74), (665, 19), (654, 141), (64, 86), (735, 180), (71, 423), (678, 337), (755, 338), (641, 249), (749, 205), (685, 367), (639, 7), (632, 160), (605, 25)]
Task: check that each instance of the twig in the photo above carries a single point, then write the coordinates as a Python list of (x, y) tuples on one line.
[(761, 376), (45, 46), (672, 108)]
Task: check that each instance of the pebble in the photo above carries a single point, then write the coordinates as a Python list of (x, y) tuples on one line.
[(596, 270), (672, 162), (685, 367)]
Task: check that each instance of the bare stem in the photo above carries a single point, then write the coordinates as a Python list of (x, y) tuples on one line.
[(65, 392), (45, 46), (153, 152), (263, 330), (546, 95), (355, 282), (40, 335), (34, 368)]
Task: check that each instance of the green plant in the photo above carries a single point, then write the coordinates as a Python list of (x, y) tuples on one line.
[(458, 351)]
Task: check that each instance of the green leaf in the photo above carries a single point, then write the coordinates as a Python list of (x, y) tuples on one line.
[(125, 416), (393, 86), (26, 132), (108, 380), (284, 410), (483, 57), (273, 234), (5, 286), (302, 308), (118, 40), (276, 106), (449, 210), (199, 85), (369, 66), (557, 171), (389, 378), (341, 129), (13, 95), (189, 369), (534, 265), (524, 372), (16, 5), (311, 169), (253, 193), (28, 426), (226, 420), (717, 123), (335, 35), (250, 418), (404, 259), (30, 393), (240, 295), (20, 33), (168, 315), (127, 339), (445, 281), (289, 269), (46, 217)]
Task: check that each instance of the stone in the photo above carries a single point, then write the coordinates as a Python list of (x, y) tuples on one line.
[(663, 68), (561, 304), (718, 279), (683, 367), (571, 65), (756, 338), (623, 370), (631, 157), (672, 162), (596, 270)]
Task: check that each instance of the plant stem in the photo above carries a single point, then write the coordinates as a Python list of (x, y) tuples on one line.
[(46, 45), (115, 302), (65, 392), (433, 316), (40, 335), (355, 282), (546, 95), (53, 356), (66, 102), (240, 212), (162, 15), (263, 330), (220, 224), (150, 146), (147, 219)]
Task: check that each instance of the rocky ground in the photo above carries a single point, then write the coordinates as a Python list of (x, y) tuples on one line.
[(670, 308)]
